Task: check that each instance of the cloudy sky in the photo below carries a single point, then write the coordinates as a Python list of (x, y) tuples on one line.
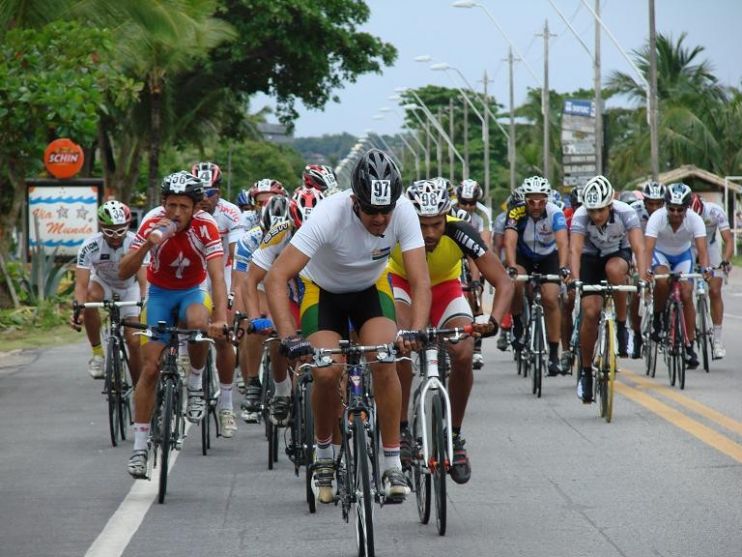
[(470, 41)]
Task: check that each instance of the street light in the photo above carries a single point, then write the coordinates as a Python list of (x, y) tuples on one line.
[(386, 110), (425, 126)]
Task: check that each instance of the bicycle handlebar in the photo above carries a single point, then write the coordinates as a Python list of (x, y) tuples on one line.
[(106, 304), (386, 352), (607, 287), (194, 335), (538, 278), (679, 276)]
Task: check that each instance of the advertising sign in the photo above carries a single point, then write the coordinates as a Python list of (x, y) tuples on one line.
[(63, 158), (578, 141), (61, 217)]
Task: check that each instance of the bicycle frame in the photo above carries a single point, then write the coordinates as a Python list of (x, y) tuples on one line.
[(430, 378)]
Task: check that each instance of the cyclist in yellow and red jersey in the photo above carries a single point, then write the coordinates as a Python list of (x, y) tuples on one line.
[(447, 240), (185, 247)]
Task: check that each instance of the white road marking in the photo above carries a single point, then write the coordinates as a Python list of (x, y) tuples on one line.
[(124, 523), (732, 316)]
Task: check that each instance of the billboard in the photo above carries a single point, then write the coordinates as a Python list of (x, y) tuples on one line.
[(579, 155)]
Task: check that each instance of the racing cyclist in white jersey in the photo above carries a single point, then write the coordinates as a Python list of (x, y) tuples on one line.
[(654, 198), (603, 234), (670, 234), (340, 255), (715, 219), (97, 279), (536, 241), (249, 286)]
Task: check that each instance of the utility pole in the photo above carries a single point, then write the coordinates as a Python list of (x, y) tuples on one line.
[(486, 136), (598, 99), (511, 138), (427, 145), (451, 170), (652, 97), (466, 137), (545, 106)]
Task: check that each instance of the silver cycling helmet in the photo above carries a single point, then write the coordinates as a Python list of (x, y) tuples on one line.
[(598, 193)]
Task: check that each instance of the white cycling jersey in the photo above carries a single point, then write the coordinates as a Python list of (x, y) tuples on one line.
[(344, 255), (714, 218), (103, 261), (246, 248), (676, 242), (612, 236), (249, 219)]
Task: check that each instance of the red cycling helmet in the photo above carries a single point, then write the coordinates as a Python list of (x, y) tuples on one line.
[(696, 203), (319, 176), (210, 174), (267, 185), (303, 202)]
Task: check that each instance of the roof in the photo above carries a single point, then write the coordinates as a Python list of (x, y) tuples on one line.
[(688, 173)]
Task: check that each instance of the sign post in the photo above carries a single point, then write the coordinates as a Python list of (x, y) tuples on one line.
[(579, 150)]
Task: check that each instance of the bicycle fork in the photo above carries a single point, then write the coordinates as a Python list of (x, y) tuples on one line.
[(432, 382)]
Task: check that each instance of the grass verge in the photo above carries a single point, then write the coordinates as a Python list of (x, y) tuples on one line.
[(34, 337)]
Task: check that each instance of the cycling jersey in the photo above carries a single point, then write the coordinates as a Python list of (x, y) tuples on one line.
[(277, 238), (714, 218), (536, 237), (499, 226), (344, 255), (612, 236), (228, 218), (179, 262), (249, 219), (102, 260), (671, 242), (246, 248), (641, 213), (480, 218), (444, 262)]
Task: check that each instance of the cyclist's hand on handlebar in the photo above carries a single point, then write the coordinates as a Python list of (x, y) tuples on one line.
[(486, 329), (297, 348), (218, 329), (512, 272), (76, 321), (726, 267), (708, 273), (407, 341)]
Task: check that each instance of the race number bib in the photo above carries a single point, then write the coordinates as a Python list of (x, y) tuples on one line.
[(381, 192)]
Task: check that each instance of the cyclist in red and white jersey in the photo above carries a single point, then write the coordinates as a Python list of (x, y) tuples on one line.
[(185, 247)]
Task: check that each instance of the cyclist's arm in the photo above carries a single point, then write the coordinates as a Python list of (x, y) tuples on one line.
[(649, 243), (476, 275), (494, 272), (728, 239), (510, 239), (288, 265), (255, 275), (576, 244), (702, 251), (132, 261), (82, 279), (239, 279), (417, 275), (636, 240), (562, 242), (142, 281), (215, 268)]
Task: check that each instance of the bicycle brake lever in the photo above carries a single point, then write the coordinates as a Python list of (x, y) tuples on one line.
[(146, 333)]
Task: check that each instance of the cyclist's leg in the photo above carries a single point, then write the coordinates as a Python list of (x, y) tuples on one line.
[(567, 310), (251, 351), (524, 266), (660, 266), (403, 311), (716, 302), (616, 270), (553, 318), (132, 341), (194, 312), (96, 293), (592, 271)]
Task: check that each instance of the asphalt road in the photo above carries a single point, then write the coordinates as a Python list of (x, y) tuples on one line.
[(549, 477)]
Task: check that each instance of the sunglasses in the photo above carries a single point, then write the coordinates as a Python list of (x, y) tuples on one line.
[(211, 192), (465, 202), (676, 210), (596, 211), (372, 211), (114, 232)]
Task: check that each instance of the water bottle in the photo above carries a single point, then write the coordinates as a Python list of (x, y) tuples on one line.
[(161, 233)]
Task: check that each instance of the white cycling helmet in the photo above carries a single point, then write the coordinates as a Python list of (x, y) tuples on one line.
[(598, 193), (430, 198), (461, 214), (654, 190), (536, 184)]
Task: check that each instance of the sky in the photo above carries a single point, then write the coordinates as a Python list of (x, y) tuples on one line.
[(469, 40)]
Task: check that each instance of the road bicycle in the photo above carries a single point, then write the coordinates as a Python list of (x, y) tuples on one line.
[(167, 428), (432, 454), (674, 337), (604, 357), (357, 466), (300, 443), (116, 386), (649, 345), (534, 348), (704, 324), (212, 391)]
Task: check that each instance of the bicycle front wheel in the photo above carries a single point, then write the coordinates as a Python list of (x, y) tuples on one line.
[(420, 475), (702, 331), (364, 501), (205, 420), (607, 373), (680, 357), (537, 373), (166, 436), (307, 441), (439, 471), (112, 393)]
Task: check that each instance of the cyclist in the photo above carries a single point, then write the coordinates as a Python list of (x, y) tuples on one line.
[(568, 298), (604, 234), (653, 198), (264, 189), (320, 177), (536, 242), (671, 232), (342, 253), (97, 279), (447, 241), (715, 219), (498, 246), (180, 262), (274, 214), (303, 202), (249, 217), (228, 218)]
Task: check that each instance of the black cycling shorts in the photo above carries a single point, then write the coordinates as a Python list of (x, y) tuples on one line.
[(592, 267), (548, 265)]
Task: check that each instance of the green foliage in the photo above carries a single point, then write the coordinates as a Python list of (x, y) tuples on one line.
[(42, 279), (333, 147), (46, 315)]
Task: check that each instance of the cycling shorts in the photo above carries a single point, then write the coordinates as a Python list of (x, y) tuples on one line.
[(131, 294), (321, 310), (592, 267), (680, 263), (547, 265), (165, 305), (448, 300)]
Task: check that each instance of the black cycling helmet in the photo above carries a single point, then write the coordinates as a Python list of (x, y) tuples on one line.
[(376, 181), (182, 183)]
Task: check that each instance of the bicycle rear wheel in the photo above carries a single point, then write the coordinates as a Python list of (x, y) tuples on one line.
[(680, 358), (307, 441), (166, 436), (702, 332), (124, 393), (439, 471), (364, 501), (113, 393)]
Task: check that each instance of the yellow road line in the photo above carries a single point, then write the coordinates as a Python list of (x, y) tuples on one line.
[(701, 409), (705, 434)]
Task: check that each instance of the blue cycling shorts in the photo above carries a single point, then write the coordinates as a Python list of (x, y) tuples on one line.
[(163, 304), (680, 263)]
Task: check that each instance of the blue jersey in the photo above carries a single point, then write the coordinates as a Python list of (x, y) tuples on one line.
[(246, 246), (536, 237)]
